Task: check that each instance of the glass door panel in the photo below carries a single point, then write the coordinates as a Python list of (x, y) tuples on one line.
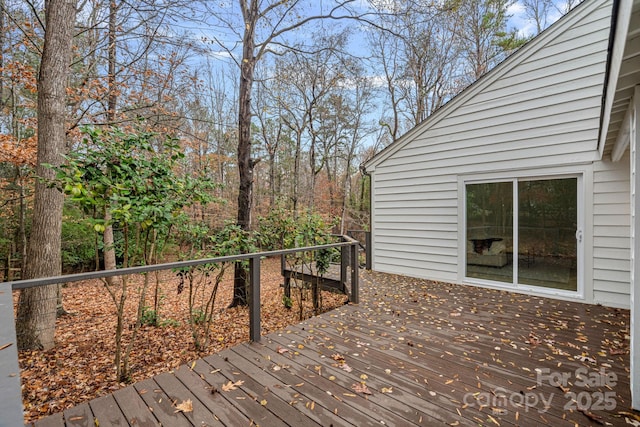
[(547, 224), (490, 231)]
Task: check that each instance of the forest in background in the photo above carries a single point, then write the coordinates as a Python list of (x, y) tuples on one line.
[(330, 85)]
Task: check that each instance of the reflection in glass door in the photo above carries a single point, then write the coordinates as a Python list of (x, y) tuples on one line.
[(543, 249), (490, 231), (547, 224)]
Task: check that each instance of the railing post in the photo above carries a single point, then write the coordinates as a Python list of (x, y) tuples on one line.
[(355, 270), (285, 275), (10, 393), (368, 250), (254, 299), (344, 264)]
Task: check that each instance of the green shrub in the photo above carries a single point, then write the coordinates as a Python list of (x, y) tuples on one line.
[(78, 240)]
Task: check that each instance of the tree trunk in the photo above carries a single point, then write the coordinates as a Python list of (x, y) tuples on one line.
[(37, 306), (245, 162), (109, 251), (2, 38)]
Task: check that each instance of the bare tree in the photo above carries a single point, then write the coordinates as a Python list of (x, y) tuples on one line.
[(537, 11), (480, 31), (386, 52), (273, 129), (37, 306), (265, 26), (565, 6), (416, 50), (112, 102)]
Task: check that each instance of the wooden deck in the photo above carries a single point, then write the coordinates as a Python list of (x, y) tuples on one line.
[(412, 352)]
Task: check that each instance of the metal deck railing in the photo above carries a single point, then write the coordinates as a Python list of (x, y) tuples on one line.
[(10, 389)]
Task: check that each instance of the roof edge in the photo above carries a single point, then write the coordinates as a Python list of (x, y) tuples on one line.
[(620, 21), (523, 52)]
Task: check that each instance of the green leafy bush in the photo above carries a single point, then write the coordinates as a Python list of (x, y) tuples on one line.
[(78, 241)]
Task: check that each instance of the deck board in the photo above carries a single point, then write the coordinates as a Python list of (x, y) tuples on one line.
[(303, 394), (10, 398), (178, 393), (216, 403), (284, 395), (429, 353), (159, 404), (243, 398), (78, 416), (107, 412), (134, 408)]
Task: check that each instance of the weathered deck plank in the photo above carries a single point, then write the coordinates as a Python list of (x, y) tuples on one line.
[(55, 420), (316, 388), (134, 408), (160, 405), (10, 399), (78, 416), (179, 394), (107, 412), (285, 395), (242, 398), (208, 395), (429, 353)]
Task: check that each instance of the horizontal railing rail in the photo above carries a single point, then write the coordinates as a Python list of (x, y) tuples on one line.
[(77, 277), (10, 395)]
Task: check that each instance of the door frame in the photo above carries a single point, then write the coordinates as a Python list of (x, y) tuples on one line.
[(584, 179)]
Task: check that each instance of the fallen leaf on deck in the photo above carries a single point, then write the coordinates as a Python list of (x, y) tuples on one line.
[(591, 416), (361, 388), (185, 406), (634, 423), (636, 417), (584, 358), (231, 385), (493, 420)]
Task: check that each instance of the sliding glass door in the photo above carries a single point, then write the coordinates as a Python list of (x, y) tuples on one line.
[(528, 243)]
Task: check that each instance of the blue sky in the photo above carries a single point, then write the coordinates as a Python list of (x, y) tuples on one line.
[(525, 27)]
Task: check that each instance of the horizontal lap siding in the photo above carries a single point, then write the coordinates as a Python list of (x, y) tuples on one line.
[(541, 110), (416, 227), (611, 232)]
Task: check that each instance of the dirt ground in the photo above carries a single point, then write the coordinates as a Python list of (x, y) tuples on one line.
[(81, 366)]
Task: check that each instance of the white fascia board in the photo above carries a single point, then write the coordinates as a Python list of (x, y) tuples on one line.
[(625, 9), (624, 134)]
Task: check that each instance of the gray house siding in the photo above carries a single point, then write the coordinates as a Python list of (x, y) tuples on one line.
[(537, 114), (611, 232)]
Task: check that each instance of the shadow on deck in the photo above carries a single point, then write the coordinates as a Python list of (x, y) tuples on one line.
[(413, 352)]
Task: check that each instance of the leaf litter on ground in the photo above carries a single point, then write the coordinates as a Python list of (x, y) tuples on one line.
[(80, 367)]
